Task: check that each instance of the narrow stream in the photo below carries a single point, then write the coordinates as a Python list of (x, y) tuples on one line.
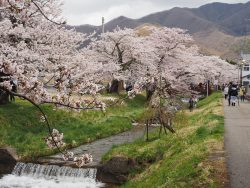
[(99, 147), (49, 176)]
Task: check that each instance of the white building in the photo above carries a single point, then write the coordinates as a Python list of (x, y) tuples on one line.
[(245, 70)]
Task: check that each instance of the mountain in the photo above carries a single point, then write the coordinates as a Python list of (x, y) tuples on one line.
[(217, 27), (218, 43), (233, 18)]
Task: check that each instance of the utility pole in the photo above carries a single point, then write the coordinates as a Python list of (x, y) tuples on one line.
[(238, 67), (102, 25), (241, 70), (208, 84), (241, 67)]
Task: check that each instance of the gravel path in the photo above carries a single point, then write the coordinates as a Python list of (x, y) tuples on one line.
[(237, 143)]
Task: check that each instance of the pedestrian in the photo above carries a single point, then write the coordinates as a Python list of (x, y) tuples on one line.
[(225, 92), (242, 93), (129, 87), (233, 93), (195, 101), (191, 103), (229, 91), (13, 84), (223, 86)]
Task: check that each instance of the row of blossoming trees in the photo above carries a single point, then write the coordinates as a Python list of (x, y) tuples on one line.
[(40, 53)]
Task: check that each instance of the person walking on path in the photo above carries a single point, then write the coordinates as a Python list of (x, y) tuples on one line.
[(229, 91), (233, 93), (13, 83), (191, 103), (225, 92), (242, 93), (195, 101)]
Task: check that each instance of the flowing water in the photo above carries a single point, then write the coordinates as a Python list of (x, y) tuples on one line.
[(49, 176)]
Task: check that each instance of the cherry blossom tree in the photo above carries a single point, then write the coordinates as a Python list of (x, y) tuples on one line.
[(122, 50), (40, 53), (164, 61), (169, 53)]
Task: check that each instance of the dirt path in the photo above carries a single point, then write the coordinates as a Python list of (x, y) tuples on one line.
[(237, 143), (97, 148)]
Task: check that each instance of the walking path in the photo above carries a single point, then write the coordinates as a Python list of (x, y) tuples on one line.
[(97, 148), (237, 143)]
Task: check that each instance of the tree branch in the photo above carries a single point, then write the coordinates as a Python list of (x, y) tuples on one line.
[(40, 109), (41, 11), (69, 106)]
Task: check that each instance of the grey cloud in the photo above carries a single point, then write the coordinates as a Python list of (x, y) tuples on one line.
[(90, 6)]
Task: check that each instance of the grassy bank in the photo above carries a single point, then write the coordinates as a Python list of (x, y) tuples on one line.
[(193, 157), (20, 126)]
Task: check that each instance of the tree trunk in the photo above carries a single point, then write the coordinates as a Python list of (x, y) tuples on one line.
[(149, 94), (150, 91), (4, 97), (116, 86), (120, 86)]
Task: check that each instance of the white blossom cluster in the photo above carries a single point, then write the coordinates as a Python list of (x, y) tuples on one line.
[(79, 160), (101, 105), (67, 156), (55, 139), (83, 160), (42, 119), (138, 88)]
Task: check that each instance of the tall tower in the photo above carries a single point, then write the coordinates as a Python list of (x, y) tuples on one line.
[(102, 24)]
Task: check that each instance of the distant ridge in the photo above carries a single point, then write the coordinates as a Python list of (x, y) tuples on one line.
[(228, 22)]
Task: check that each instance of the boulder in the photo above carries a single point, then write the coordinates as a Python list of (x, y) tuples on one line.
[(116, 170), (8, 160)]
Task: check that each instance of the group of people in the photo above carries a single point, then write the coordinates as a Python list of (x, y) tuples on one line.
[(233, 92)]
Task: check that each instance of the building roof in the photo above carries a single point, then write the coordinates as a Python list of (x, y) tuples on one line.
[(245, 57), (246, 76)]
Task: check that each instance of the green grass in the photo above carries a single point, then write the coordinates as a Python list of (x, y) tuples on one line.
[(21, 129), (174, 159), (207, 101)]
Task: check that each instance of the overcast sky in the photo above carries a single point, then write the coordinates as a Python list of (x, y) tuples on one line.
[(78, 12)]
